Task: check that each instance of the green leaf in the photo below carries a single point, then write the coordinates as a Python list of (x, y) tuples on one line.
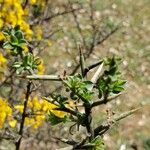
[(16, 64), (121, 82), (79, 87), (117, 90), (88, 84), (6, 32), (117, 86), (7, 45), (19, 70), (19, 35), (17, 27), (36, 10), (22, 41), (99, 144), (14, 40), (54, 120)]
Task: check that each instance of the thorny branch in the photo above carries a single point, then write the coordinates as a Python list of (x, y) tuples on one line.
[(102, 101), (100, 130)]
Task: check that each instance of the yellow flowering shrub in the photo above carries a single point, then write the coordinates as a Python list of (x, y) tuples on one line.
[(12, 13), (6, 114), (38, 109), (3, 61), (3, 65), (41, 68)]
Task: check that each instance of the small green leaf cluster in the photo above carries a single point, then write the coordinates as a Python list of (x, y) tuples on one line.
[(79, 88), (110, 81), (59, 99), (60, 102), (15, 40), (28, 63), (15, 43), (82, 90), (36, 10), (98, 143), (54, 120)]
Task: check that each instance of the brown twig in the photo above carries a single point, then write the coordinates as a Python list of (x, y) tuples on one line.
[(78, 26), (23, 115), (100, 130), (52, 16), (82, 63), (101, 102)]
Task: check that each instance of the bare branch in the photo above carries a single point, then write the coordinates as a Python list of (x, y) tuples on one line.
[(61, 13), (108, 35), (42, 77), (78, 25), (54, 16), (100, 130), (69, 142), (23, 115), (82, 63), (101, 102)]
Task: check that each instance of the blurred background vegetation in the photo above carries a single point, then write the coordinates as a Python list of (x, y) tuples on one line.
[(130, 22)]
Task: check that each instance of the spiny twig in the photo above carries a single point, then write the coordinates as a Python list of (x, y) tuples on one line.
[(90, 67), (100, 130), (69, 142), (82, 62), (102, 101), (42, 77)]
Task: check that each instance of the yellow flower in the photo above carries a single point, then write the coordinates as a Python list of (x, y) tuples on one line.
[(30, 104), (36, 104), (25, 48), (49, 43), (14, 14), (3, 60), (11, 18), (19, 107), (29, 121), (32, 2), (12, 123), (5, 111), (2, 119), (1, 23), (39, 108), (2, 37), (46, 106), (41, 68), (59, 114)]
